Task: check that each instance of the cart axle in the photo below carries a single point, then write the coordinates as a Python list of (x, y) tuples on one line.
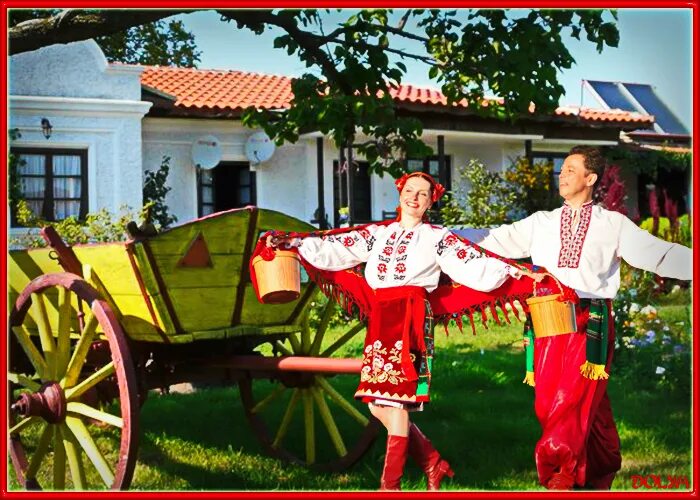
[(296, 363)]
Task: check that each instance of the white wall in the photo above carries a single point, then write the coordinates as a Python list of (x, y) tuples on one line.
[(91, 105), (286, 182)]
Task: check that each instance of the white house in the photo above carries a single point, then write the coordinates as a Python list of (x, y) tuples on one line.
[(111, 122)]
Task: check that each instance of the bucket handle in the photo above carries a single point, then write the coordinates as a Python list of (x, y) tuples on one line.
[(534, 284)]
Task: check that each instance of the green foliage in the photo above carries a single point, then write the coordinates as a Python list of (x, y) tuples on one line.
[(680, 233), (154, 193), (516, 56), (532, 185), (649, 162), (99, 227), (338, 319), (482, 198), (347, 87), (162, 43), (653, 344)]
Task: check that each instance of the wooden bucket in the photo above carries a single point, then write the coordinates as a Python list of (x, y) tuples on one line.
[(550, 316), (279, 278)]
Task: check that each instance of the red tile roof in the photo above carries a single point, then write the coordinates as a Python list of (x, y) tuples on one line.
[(236, 90)]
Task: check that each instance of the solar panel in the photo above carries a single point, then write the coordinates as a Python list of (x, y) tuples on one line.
[(611, 94), (664, 117)]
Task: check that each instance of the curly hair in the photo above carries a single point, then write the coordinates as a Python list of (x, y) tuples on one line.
[(593, 160)]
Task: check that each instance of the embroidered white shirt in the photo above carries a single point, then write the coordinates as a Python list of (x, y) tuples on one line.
[(587, 257), (396, 256)]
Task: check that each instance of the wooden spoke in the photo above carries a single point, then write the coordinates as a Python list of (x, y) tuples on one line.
[(89, 411), (322, 327), (59, 460), (82, 435), (283, 349), (91, 381), (33, 354), (294, 342), (64, 324), (286, 419), (305, 334), (40, 452), (75, 462), (342, 340), (341, 401), (41, 318), (24, 423), (24, 381), (309, 426), (80, 353), (277, 392), (327, 418)]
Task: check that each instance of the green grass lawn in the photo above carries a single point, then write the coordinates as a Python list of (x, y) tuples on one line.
[(481, 418)]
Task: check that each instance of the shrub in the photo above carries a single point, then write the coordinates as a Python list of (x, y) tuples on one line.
[(98, 227), (154, 193), (650, 352), (482, 199), (533, 184)]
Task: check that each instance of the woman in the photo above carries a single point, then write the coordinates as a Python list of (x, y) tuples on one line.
[(404, 260)]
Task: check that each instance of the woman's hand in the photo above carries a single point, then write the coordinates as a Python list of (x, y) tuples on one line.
[(282, 241)]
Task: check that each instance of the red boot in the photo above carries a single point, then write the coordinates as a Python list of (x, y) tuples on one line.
[(427, 457), (394, 460)]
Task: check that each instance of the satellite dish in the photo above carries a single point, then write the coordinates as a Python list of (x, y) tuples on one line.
[(259, 148), (206, 152)]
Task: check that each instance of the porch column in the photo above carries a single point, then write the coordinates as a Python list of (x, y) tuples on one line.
[(528, 151), (321, 215), (351, 205), (443, 173)]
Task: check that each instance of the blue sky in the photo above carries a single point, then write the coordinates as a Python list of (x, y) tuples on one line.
[(655, 48)]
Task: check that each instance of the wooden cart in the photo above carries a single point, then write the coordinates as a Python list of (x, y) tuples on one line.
[(95, 327)]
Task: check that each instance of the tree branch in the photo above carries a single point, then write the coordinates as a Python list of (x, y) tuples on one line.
[(310, 42), (72, 25)]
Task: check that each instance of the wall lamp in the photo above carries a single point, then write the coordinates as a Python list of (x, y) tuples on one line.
[(46, 127)]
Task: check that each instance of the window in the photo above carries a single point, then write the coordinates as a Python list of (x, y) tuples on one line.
[(431, 165), (206, 192), (53, 182), (557, 159), (228, 185)]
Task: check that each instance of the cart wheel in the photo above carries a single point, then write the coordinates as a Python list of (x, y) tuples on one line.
[(283, 413), (73, 391)]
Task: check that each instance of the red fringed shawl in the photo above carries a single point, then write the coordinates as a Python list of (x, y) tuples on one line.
[(449, 301)]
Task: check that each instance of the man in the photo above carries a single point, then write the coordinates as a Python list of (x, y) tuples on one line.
[(581, 245)]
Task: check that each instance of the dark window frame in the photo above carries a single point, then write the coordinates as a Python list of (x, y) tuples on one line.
[(200, 186), (549, 156), (447, 181), (49, 198), (252, 186)]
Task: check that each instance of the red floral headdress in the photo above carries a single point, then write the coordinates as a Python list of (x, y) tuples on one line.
[(436, 189)]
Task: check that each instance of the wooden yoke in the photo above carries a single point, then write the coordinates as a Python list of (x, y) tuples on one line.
[(66, 257)]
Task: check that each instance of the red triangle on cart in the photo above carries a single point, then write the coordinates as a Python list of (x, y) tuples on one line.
[(197, 254)]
